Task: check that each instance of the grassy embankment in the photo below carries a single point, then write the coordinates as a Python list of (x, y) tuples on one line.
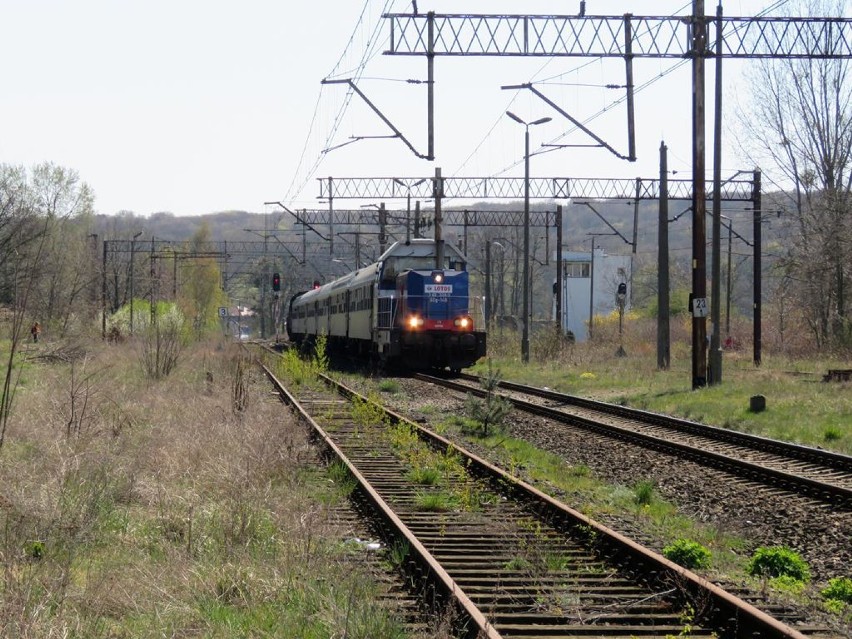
[(134, 508), (800, 406)]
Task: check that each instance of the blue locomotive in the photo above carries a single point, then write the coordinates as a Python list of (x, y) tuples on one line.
[(404, 310)]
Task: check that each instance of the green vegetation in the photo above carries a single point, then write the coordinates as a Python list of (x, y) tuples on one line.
[(687, 553), (424, 475), (800, 406), (644, 493), (167, 512), (490, 412), (368, 412), (320, 358), (297, 370), (398, 553), (390, 386), (838, 589), (778, 561), (436, 501), (518, 564)]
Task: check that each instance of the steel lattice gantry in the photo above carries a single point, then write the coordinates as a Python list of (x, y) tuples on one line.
[(512, 188), (630, 37), (452, 217), (613, 36)]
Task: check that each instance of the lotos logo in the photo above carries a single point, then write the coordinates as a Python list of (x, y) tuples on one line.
[(438, 289)]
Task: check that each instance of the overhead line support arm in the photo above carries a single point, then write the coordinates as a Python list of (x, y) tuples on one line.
[(381, 115)]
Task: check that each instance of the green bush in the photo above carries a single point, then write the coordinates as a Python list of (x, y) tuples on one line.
[(788, 584), (838, 589), (390, 386), (832, 434), (778, 561), (687, 553), (643, 493)]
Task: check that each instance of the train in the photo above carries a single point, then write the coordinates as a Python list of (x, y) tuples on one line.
[(404, 311)]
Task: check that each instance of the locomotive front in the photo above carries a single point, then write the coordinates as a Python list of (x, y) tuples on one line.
[(435, 320)]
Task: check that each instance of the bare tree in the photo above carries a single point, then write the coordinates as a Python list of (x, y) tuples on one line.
[(799, 130), (31, 208)]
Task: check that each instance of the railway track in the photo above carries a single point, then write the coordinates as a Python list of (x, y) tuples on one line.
[(512, 561), (822, 475)]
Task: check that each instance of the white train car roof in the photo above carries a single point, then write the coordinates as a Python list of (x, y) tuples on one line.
[(416, 251), (420, 247)]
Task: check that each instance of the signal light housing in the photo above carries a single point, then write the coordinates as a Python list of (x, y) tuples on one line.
[(276, 282)]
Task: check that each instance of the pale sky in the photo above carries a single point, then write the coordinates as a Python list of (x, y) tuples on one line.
[(197, 106)]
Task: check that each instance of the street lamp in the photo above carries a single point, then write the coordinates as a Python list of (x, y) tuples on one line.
[(525, 339)]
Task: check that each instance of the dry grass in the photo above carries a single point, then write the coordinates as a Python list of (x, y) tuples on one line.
[(167, 510)]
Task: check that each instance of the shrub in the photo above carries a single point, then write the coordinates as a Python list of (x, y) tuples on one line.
[(492, 410), (687, 553), (838, 589), (778, 561), (789, 584), (163, 342), (832, 434), (320, 359), (389, 386), (644, 493)]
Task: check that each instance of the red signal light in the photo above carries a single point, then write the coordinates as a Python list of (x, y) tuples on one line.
[(276, 281)]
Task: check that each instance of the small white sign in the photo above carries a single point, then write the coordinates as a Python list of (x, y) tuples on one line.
[(699, 307), (223, 311)]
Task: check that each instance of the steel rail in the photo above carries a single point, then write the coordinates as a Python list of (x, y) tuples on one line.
[(828, 458), (425, 558), (825, 492), (652, 567), (728, 606)]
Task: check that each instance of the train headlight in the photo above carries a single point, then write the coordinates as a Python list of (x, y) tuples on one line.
[(415, 322), (465, 322), (437, 277)]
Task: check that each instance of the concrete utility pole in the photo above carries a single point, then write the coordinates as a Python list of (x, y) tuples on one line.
[(559, 280), (663, 344), (592, 292), (438, 194), (716, 277), (698, 306), (758, 266)]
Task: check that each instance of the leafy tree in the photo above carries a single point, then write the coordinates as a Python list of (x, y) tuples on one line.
[(200, 291)]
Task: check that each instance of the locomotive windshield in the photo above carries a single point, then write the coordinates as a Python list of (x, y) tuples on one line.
[(393, 266)]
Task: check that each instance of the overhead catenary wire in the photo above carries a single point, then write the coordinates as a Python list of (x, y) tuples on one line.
[(371, 50), (617, 101)]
